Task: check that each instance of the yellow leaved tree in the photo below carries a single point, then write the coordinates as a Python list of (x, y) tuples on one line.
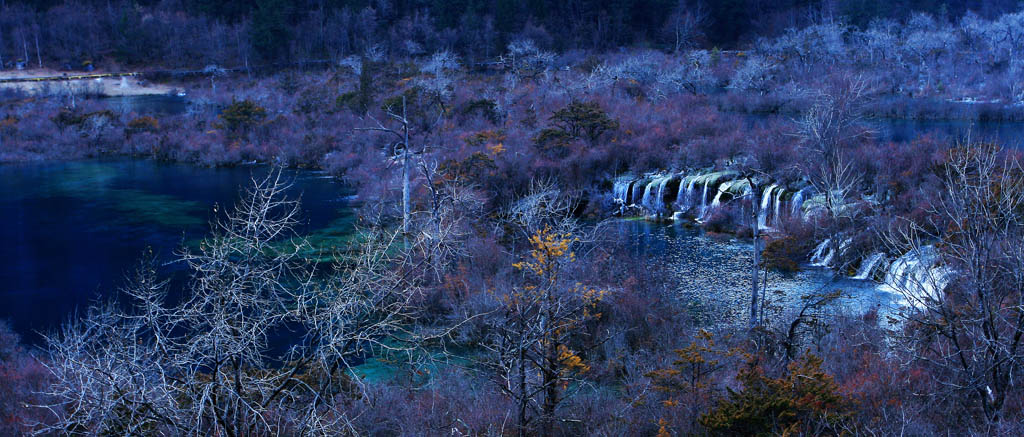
[(541, 338)]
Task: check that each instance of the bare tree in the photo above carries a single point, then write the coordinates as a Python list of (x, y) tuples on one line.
[(206, 364), (686, 24), (525, 60), (438, 79), (402, 146), (443, 230), (826, 132), (963, 276)]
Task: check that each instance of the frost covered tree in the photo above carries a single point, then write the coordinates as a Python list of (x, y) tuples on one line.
[(693, 75)]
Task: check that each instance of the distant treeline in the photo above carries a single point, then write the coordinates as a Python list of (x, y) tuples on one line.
[(234, 32)]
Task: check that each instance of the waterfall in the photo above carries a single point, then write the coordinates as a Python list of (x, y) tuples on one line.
[(845, 244), (798, 203), (821, 258), (645, 201), (659, 202), (620, 190), (684, 199), (868, 265), (715, 204), (899, 270), (654, 194), (704, 199), (620, 193), (707, 209), (637, 198), (826, 260), (917, 276), (766, 198), (777, 206)]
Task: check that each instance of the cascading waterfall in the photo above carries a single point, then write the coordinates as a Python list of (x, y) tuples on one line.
[(917, 275), (822, 254), (777, 206), (620, 193), (620, 190), (831, 253), (766, 198), (715, 204), (654, 195), (645, 201), (845, 244), (684, 199), (638, 187), (827, 259), (659, 202), (867, 267), (897, 275), (704, 200), (798, 203)]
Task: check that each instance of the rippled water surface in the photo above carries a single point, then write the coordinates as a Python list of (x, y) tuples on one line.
[(712, 274)]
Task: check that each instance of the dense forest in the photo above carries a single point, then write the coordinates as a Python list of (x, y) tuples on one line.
[(495, 151), (197, 33)]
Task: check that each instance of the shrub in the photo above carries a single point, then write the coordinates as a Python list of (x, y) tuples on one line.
[(804, 401), (721, 220), (785, 254), (142, 124), (242, 115), (486, 108), (22, 377)]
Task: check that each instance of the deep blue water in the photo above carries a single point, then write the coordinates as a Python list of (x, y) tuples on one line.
[(71, 231), (1009, 134)]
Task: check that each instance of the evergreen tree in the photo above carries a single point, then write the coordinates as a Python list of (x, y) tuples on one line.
[(269, 33)]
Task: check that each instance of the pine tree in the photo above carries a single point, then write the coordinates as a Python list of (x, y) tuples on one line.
[(269, 32)]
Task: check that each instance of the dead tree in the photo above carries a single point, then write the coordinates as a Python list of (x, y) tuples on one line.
[(205, 365), (966, 289), (400, 146)]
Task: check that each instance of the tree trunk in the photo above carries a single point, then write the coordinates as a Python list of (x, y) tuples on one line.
[(550, 370), (522, 381), (39, 55), (756, 255), (405, 171)]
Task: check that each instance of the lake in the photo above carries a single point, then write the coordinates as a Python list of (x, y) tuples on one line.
[(1007, 133), (71, 231)]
